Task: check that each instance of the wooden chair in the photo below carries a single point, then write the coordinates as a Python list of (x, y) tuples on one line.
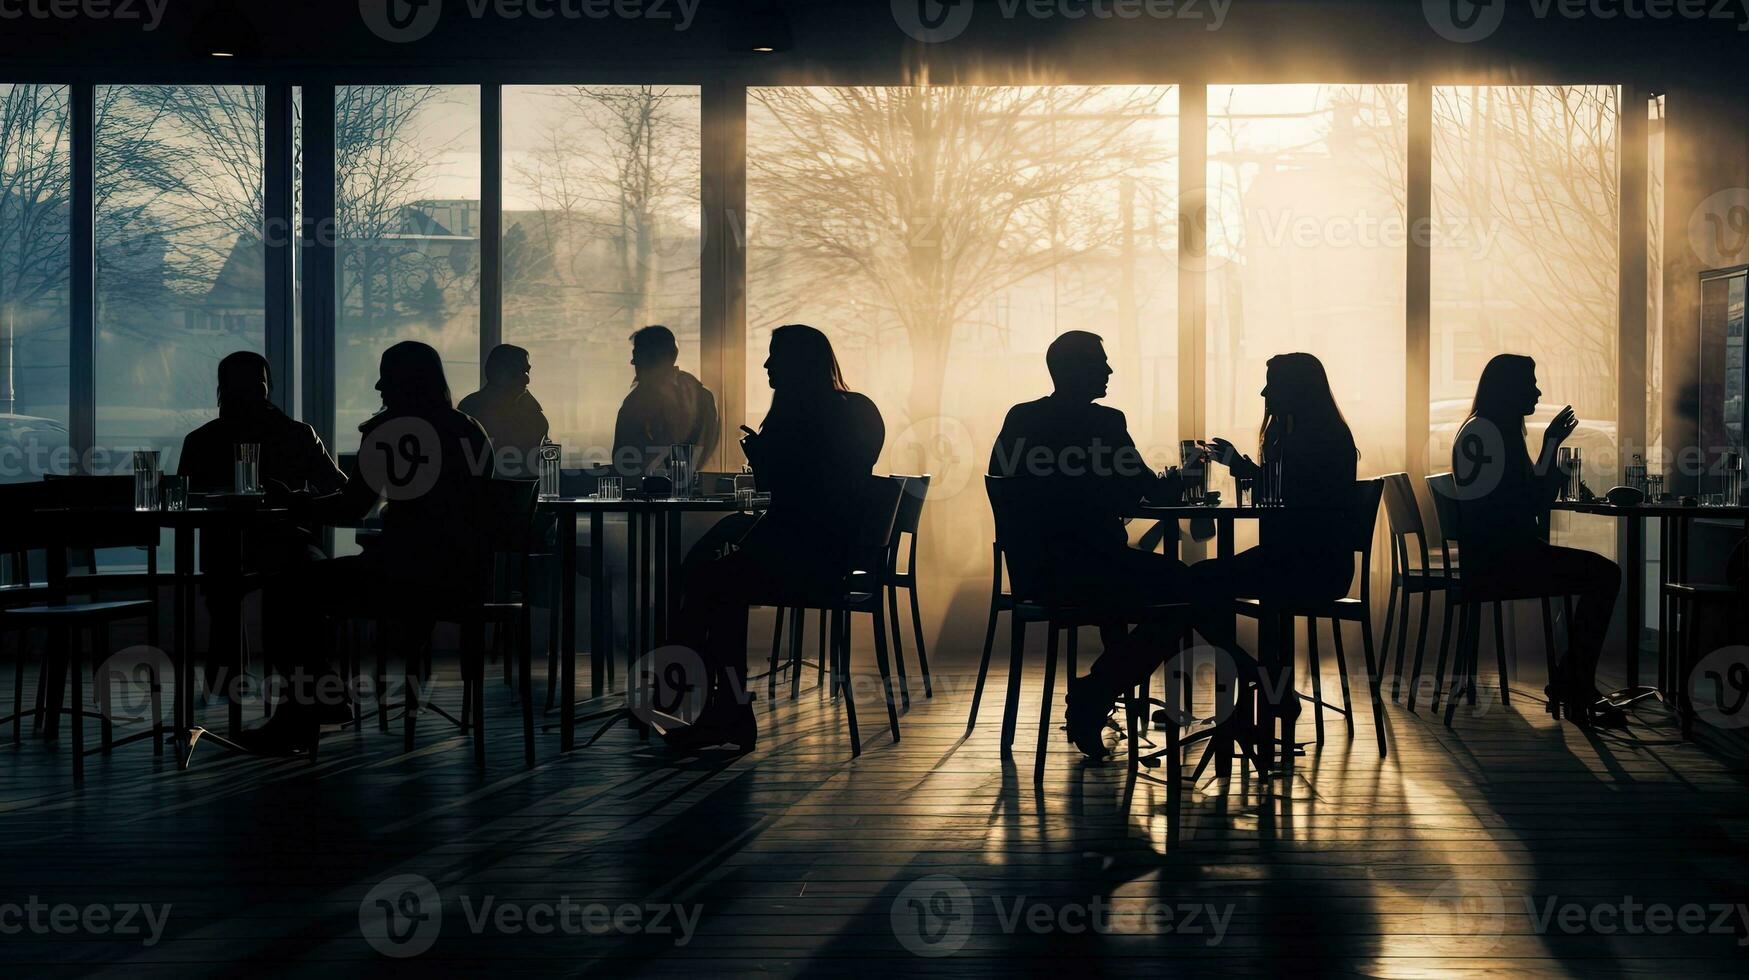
[(1465, 596), (1001, 601), (1413, 573), (1361, 523), (904, 540)]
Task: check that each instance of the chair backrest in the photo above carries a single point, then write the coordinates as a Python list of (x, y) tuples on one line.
[(1401, 508), (1443, 488), (878, 511), (1028, 511), (910, 506), (1363, 520), (501, 537), (101, 492)]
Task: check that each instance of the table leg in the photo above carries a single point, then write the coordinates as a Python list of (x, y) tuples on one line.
[(1636, 573), (671, 563), (184, 602), (1224, 750), (568, 631), (599, 641), (659, 572)]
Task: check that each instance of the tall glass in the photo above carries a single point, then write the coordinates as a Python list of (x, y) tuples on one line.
[(609, 488), (1194, 470), (246, 470), (1268, 491), (1572, 473), (1733, 479), (680, 474), (146, 475), (549, 470)]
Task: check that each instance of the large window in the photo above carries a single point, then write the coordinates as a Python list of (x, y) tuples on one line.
[(178, 194), (35, 180), (942, 236), (407, 207), (1307, 246), (601, 237)]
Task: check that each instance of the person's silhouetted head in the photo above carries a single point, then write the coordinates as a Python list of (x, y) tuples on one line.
[(507, 367), (1296, 388), (1078, 365), (654, 351), (1507, 392), (245, 382), (411, 380), (801, 361)]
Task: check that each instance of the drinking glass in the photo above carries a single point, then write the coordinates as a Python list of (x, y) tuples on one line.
[(1714, 500), (1193, 468), (549, 470), (610, 488), (1654, 487), (146, 476), (174, 490), (744, 498), (1733, 478), (1268, 490), (680, 473), (246, 471)]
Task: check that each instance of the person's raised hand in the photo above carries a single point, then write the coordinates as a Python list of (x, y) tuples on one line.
[(1560, 427)]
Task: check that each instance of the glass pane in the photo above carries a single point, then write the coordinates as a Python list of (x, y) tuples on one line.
[(601, 237), (1525, 261), (35, 180), (407, 207), (179, 255), (1655, 278), (1307, 247), (943, 236)]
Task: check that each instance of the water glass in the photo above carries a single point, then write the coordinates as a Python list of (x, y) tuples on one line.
[(246, 471), (680, 474), (1268, 492), (549, 470), (1733, 478), (610, 488), (1193, 468), (146, 475), (744, 498), (1654, 487), (174, 492), (1714, 500), (1635, 475)]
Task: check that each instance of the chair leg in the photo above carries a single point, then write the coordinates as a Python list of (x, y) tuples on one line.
[(1342, 674), (476, 662), (1420, 647), (795, 664), (1554, 702), (917, 631), (525, 657), (1391, 592), (410, 694), (554, 596), (1500, 652), (1011, 709), (24, 650), (983, 671), (841, 680), (1463, 680), (892, 608), (1044, 709), (1315, 667), (1373, 679), (100, 684), (76, 671), (381, 680), (1445, 624), (776, 645), (878, 618)]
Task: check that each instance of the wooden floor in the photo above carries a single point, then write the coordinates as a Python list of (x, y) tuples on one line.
[(1505, 845)]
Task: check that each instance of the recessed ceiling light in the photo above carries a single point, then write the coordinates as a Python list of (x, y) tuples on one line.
[(764, 48), (223, 54)]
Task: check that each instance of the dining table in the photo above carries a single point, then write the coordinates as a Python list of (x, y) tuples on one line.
[(1675, 521), (653, 562)]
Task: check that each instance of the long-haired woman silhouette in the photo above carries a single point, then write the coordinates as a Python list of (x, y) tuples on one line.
[(1504, 501), (813, 454)]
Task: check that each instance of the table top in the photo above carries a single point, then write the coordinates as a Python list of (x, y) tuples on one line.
[(1663, 509), (192, 517), (663, 504), (1236, 511)]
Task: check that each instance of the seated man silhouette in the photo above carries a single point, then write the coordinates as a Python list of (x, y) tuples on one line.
[(666, 407), (1087, 447), (508, 412), (292, 459)]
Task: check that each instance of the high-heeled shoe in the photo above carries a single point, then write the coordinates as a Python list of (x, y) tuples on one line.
[(1087, 710)]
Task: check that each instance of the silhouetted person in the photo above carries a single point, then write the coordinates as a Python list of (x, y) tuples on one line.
[(1504, 500), (666, 407), (1087, 449), (814, 454), (1299, 556), (418, 458), (508, 412), (292, 455)]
